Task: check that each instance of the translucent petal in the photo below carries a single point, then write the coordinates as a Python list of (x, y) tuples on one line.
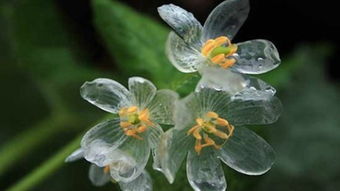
[(106, 94), (182, 22), (247, 153), (142, 91), (172, 151), (130, 160), (226, 19), (221, 79), (141, 183), (205, 171), (101, 140), (154, 138), (97, 175), (76, 155), (251, 107), (162, 107), (256, 57), (184, 57)]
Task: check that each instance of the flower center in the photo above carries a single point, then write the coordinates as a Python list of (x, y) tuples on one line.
[(219, 51), (213, 125), (134, 121)]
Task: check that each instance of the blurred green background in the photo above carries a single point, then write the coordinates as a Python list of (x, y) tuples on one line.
[(48, 48)]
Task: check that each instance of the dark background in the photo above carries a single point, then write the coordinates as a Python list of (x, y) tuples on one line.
[(39, 80)]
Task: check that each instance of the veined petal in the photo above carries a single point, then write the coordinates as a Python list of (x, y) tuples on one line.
[(226, 19), (129, 160), (142, 91), (172, 151), (184, 57), (76, 155), (256, 57), (106, 94), (154, 137), (142, 183), (162, 107), (97, 175), (205, 171), (247, 153), (221, 79), (182, 22), (101, 140), (252, 107)]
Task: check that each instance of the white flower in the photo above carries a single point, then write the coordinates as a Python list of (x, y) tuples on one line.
[(208, 127), (124, 142), (99, 176), (192, 48)]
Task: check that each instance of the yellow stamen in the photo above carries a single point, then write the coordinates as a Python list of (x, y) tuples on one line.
[(134, 121), (210, 124), (106, 169), (219, 50)]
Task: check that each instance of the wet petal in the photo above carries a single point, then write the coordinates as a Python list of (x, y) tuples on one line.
[(162, 107), (205, 171), (252, 107), (142, 91), (182, 22), (221, 79), (141, 183), (154, 138), (97, 175), (256, 57), (100, 140), (226, 19), (106, 94), (76, 155), (172, 151), (184, 57), (247, 153), (130, 160)]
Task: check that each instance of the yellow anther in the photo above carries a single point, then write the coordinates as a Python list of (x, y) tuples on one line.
[(208, 47), (122, 111), (133, 134), (212, 115), (132, 109), (218, 58), (144, 115), (125, 124), (222, 122), (228, 63), (212, 124), (106, 169), (221, 40), (141, 129)]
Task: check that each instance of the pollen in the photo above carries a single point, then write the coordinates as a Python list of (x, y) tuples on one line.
[(220, 51), (134, 121), (208, 127)]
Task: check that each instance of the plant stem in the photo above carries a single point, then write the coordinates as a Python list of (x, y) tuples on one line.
[(23, 143), (46, 169)]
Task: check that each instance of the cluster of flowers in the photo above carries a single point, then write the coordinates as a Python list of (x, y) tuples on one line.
[(206, 124)]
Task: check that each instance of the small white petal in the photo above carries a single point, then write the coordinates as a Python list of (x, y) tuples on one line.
[(247, 153), (205, 171), (142, 91), (172, 151), (101, 140), (183, 56), (256, 57), (129, 160), (97, 175), (106, 94), (252, 107), (141, 183), (226, 19), (154, 137), (221, 79), (182, 22), (162, 107), (76, 155)]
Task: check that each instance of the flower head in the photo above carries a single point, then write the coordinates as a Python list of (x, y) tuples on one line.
[(208, 127), (193, 47), (134, 130), (100, 176)]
